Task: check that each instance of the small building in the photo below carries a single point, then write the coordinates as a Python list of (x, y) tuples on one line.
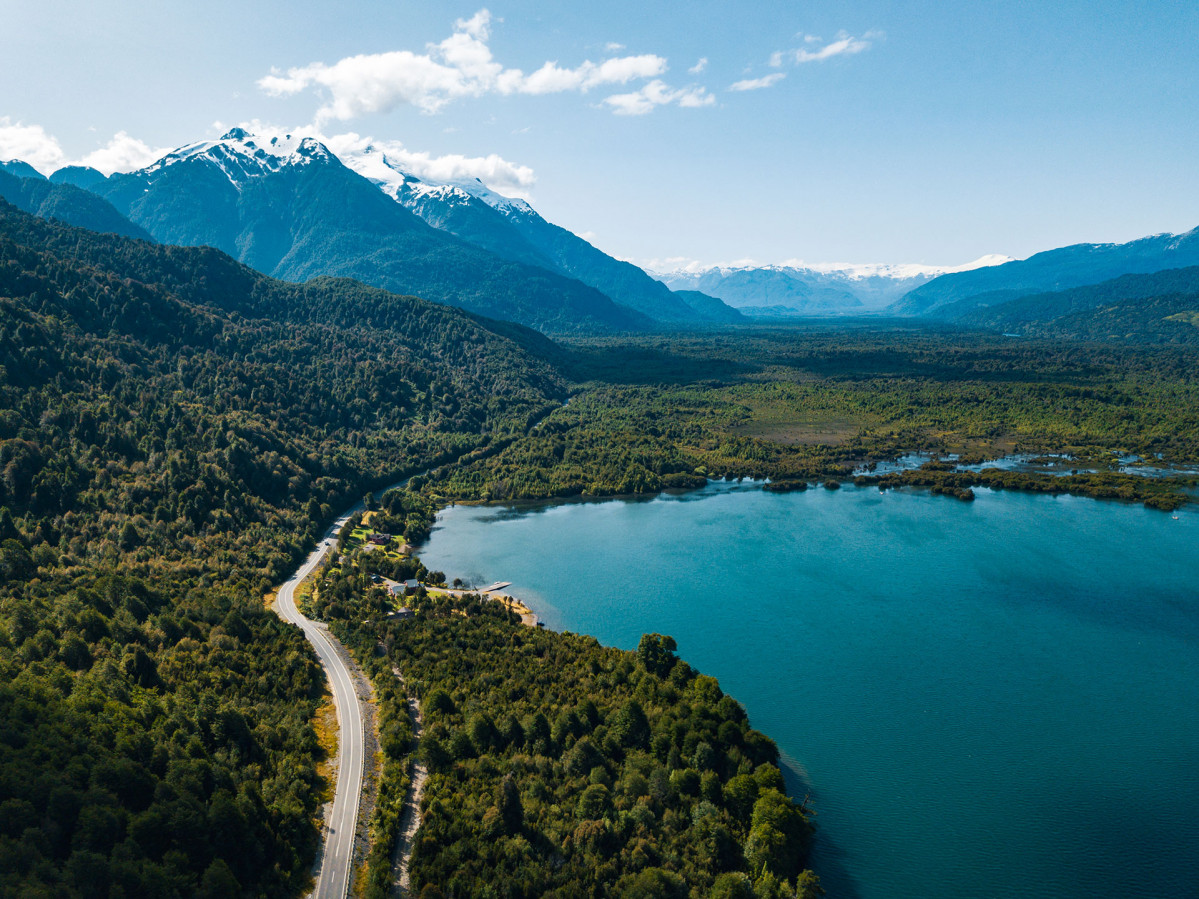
[(405, 588), (378, 539), (403, 613)]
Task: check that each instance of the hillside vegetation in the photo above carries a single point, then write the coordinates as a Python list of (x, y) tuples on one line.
[(562, 768), (67, 203), (1141, 309), (173, 430)]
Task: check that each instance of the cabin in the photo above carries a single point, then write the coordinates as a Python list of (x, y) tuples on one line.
[(405, 588), (403, 613), (378, 539)]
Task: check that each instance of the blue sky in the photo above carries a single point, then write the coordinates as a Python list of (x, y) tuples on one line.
[(869, 132)]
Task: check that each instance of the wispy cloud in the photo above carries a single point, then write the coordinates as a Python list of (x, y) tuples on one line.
[(700, 65), (813, 49), (460, 66), (754, 84), (34, 145), (656, 94), (844, 45)]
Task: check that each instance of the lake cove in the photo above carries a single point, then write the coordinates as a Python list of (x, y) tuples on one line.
[(984, 699)]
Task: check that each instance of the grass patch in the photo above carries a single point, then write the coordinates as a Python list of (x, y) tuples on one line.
[(325, 725)]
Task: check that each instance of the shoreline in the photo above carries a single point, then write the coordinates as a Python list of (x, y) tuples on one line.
[(527, 615)]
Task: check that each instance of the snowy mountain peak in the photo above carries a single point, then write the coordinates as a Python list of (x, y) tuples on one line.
[(849, 271), (242, 155)]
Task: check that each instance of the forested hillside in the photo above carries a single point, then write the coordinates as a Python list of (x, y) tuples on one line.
[(1052, 270), (173, 428), (67, 203), (562, 768), (1161, 307)]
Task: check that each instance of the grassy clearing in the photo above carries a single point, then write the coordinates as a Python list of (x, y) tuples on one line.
[(325, 725)]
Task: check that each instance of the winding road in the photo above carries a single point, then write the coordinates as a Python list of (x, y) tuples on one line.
[(334, 879), (336, 863)]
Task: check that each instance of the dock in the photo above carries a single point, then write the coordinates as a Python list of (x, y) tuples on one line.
[(498, 585)]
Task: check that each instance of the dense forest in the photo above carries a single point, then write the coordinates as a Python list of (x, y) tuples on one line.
[(560, 767), (1161, 307), (174, 428), (810, 403)]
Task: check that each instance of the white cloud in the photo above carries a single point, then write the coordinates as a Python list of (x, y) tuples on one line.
[(122, 154), (845, 45), (656, 94), (753, 84), (477, 26), (552, 79), (613, 47), (508, 178), (31, 144), (460, 66), (699, 66)]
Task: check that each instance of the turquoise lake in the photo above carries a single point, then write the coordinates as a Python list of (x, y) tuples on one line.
[(987, 699)]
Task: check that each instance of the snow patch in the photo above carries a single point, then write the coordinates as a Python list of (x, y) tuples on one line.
[(405, 188), (241, 155)]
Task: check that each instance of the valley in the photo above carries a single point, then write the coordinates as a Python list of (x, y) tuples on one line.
[(204, 360)]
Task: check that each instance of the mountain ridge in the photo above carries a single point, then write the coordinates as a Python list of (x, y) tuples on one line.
[(67, 203), (290, 208), (803, 289), (1061, 268), (513, 229)]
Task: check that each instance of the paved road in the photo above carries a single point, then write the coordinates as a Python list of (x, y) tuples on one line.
[(334, 879)]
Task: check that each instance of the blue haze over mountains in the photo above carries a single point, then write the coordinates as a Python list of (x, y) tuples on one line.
[(292, 209)]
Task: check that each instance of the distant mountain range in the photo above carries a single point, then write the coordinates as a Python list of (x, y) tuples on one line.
[(955, 295), (65, 202), (801, 290), (290, 208)]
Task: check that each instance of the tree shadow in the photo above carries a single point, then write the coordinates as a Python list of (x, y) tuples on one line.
[(828, 859)]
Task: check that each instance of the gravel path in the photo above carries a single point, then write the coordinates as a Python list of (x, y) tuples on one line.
[(410, 816)]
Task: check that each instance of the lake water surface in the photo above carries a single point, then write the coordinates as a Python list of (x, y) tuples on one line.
[(985, 699)]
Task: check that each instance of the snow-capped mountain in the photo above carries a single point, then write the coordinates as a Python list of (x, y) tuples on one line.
[(512, 229), (242, 156), (287, 206), (799, 288)]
